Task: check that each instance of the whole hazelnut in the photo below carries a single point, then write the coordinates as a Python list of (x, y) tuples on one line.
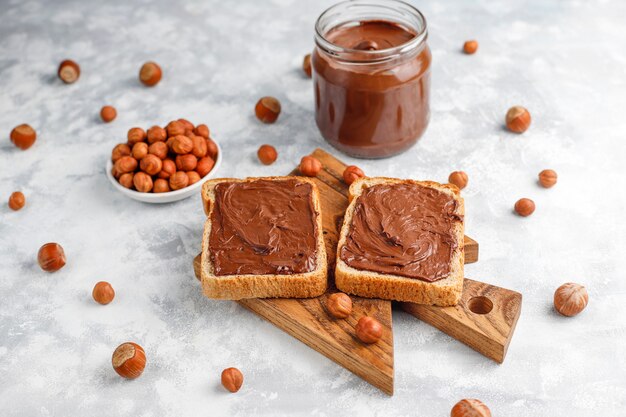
[(458, 178), (150, 74), (310, 166), (306, 65), (205, 165), (199, 146), (368, 330), (135, 135), (267, 109), (151, 164), (175, 128), (193, 176), (570, 299), (140, 149), (17, 201), (339, 305), (202, 130), (267, 154), (232, 379), (115, 172), (158, 149), (168, 168), (547, 178), (517, 119), (156, 134), (69, 71), (470, 47), (211, 148), (51, 257), (120, 150), (23, 136), (103, 293), (352, 173), (186, 162), (126, 180), (126, 164), (108, 114), (525, 207), (179, 180), (161, 186), (470, 408), (181, 145), (143, 182), (129, 360), (187, 125)]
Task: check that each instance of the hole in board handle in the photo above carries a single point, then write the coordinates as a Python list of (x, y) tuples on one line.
[(480, 305)]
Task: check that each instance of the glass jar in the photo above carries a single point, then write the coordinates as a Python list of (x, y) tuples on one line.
[(371, 74)]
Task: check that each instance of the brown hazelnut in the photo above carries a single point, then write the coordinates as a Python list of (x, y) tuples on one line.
[(570, 299), (211, 149), (158, 149), (51, 257), (368, 330), (143, 182), (115, 172), (151, 164), (267, 109), (168, 168), (126, 180), (125, 164), (140, 149), (186, 162), (129, 360), (156, 134), (525, 207), (470, 47), (161, 186), (181, 145), (17, 201), (470, 408), (108, 114), (103, 293), (202, 130), (179, 180), (120, 150), (135, 135), (175, 128), (458, 178), (310, 166), (232, 379), (69, 71), (205, 165), (267, 154), (199, 146), (306, 65), (193, 176), (352, 173), (547, 178), (339, 305), (187, 125), (150, 74), (517, 119), (23, 136)]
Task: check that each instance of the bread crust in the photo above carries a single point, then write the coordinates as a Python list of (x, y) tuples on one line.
[(444, 292), (237, 287)]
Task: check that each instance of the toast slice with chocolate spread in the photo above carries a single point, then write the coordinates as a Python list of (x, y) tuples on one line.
[(402, 240), (262, 239)]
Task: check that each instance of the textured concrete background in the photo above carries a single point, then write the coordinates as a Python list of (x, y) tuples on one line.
[(563, 60)]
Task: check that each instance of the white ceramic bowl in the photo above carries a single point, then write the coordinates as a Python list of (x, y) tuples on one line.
[(164, 197)]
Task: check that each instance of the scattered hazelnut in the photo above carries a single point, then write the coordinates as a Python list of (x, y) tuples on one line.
[(458, 178), (199, 146), (151, 164), (150, 74), (168, 168), (136, 134), (158, 149), (517, 119), (470, 47), (205, 165), (187, 125), (120, 150), (69, 71), (125, 164), (232, 379), (202, 130), (108, 114), (570, 299), (186, 162), (126, 180), (267, 109), (161, 186), (179, 180), (306, 65), (310, 166), (143, 182), (140, 149), (193, 176), (547, 178), (525, 207), (352, 173), (17, 201), (182, 145), (23, 136), (267, 154), (211, 148), (470, 408), (103, 293), (129, 360), (51, 257), (339, 305), (156, 134), (368, 330), (175, 128)]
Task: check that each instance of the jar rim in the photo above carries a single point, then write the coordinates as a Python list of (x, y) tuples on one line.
[(369, 55)]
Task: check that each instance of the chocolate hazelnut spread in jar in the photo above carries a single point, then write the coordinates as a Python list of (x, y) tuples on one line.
[(371, 74)]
